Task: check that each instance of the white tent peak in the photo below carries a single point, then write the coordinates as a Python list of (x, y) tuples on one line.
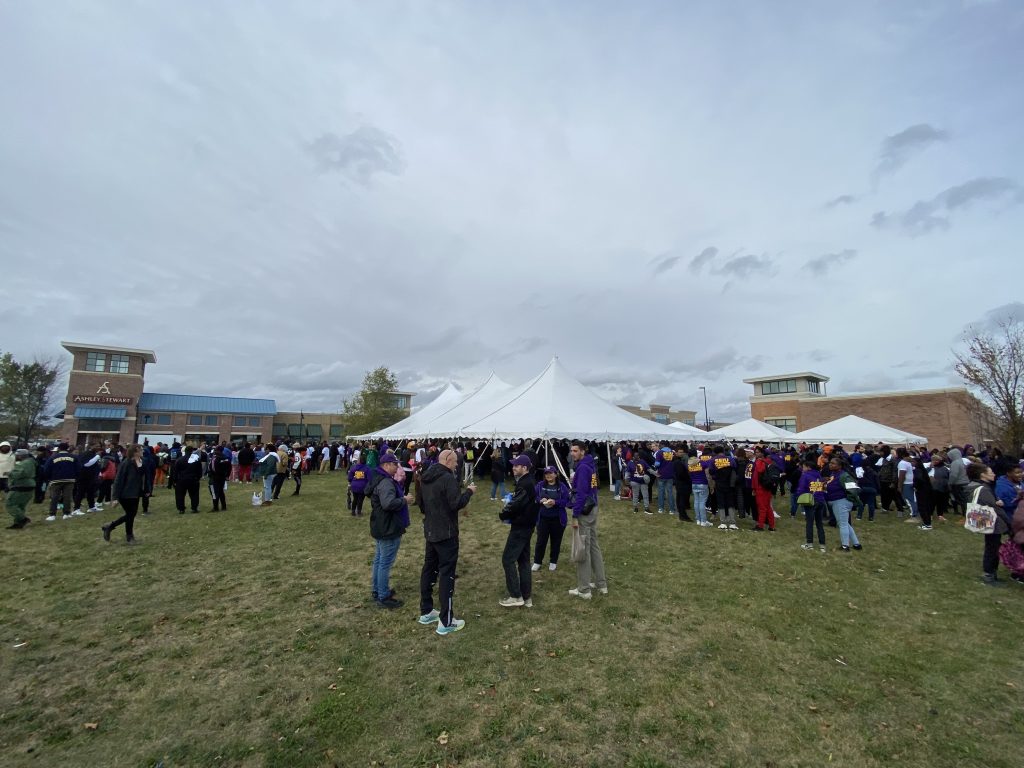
[(856, 429), (753, 430)]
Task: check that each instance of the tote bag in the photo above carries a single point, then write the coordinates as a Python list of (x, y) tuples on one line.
[(579, 551), (980, 517)]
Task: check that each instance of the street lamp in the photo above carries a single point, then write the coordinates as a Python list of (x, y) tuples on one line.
[(707, 421)]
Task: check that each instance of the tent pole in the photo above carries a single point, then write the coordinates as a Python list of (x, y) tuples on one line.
[(547, 454), (611, 482)]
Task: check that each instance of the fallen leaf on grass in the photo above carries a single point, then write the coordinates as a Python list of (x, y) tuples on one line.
[(813, 709), (1011, 685), (552, 654), (443, 738), (541, 729), (840, 661), (332, 687), (919, 727), (91, 726), (851, 606), (536, 690), (20, 645), (711, 704)]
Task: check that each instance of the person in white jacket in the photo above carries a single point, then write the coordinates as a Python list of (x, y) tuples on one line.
[(6, 464)]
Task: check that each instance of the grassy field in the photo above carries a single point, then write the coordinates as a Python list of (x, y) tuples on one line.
[(247, 638)]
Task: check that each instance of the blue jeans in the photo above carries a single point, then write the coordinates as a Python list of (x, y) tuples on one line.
[(666, 500), (383, 559), (792, 499), (700, 502), (910, 498), (497, 488), (867, 499), (268, 491), (618, 487), (841, 509)]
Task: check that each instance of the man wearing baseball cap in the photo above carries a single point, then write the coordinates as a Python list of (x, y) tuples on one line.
[(590, 572), (389, 519), (521, 514), (440, 502)]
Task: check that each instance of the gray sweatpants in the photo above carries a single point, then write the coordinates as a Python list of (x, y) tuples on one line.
[(592, 568)]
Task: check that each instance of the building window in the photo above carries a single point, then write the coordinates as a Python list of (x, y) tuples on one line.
[(211, 421), (812, 386), (96, 361), (782, 387), (787, 424), (147, 418), (98, 425), (254, 421), (194, 421), (163, 419), (238, 421), (118, 364), (661, 418), (337, 430)]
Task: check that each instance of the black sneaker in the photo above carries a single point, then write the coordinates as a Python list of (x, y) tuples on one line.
[(106, 533), (845, 548), (389, 603), (992, 581), (858, 547)]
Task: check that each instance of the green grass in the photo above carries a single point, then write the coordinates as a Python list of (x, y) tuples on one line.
[(246, 638)]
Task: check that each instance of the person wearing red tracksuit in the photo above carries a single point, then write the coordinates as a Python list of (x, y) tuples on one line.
[(762, 495)]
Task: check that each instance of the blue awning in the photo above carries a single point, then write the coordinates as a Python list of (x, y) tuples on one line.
[(98, 412)]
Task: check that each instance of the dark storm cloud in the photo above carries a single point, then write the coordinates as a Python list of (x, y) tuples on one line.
[(358, 155), (897, 149), (704, 257), (835, 202), (929, 215), (827, 261)]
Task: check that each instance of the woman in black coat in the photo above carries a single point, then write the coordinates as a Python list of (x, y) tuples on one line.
[(130, 485)]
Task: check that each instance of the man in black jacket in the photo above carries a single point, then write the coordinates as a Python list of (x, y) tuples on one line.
[(187, 472), (521, 514), (389, 518), (440, 502)]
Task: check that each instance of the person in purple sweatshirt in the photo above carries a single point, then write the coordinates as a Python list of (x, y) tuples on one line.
[(639, 475), (584, 517), (839, 486), (811, 488), (666, 478), (700, 479), (553, 498), (358, 475)]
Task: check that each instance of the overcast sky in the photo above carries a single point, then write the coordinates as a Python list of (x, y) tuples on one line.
[(277, 197)]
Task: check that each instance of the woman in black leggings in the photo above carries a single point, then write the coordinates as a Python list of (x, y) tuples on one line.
[(130, 485)]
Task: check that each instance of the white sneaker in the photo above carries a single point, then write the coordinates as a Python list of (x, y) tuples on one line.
[(603, 590), (50, 518), (582, 595), (552, 566), (733, 527), (722, 526), (455, 626), (511, 602), (95, 509), (661, 511), (99, 506), (806, 546), (535, 567), (618, 498), (528, 603), (78, 513)]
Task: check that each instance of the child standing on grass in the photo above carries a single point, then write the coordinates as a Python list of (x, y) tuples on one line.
[(810, 495)]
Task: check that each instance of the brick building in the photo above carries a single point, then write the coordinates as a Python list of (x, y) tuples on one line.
[(662, 414), (106, 401), (799, 401)]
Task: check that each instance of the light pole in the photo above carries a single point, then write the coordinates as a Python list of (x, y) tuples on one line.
[(707, 421)]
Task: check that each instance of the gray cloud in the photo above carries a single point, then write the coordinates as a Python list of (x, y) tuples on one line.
[(1012, 312), (827, 261), (358, 155), (928, 215), (665, 263), (703, 258), (876, 382), (745, 266), (820, 355), (900, 147), (835, 202), (715, 364)]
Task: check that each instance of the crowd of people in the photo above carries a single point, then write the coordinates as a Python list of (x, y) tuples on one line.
[(730, 483)]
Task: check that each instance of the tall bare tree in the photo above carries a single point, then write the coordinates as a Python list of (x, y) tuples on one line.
[(994, 365), (28, 392)]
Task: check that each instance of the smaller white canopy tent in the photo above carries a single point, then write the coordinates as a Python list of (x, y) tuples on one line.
[(488, 396), (450, 396), (853, 430), (556, 405), (688, 430), (752, 430)]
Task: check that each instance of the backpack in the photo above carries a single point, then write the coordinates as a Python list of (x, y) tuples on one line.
[(769, 479), (887, 474)]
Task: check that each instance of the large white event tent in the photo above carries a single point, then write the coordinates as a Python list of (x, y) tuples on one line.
[(556, 405), (752, 430), (688, 430), (853, 430), (450, 396), (478, 403)]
